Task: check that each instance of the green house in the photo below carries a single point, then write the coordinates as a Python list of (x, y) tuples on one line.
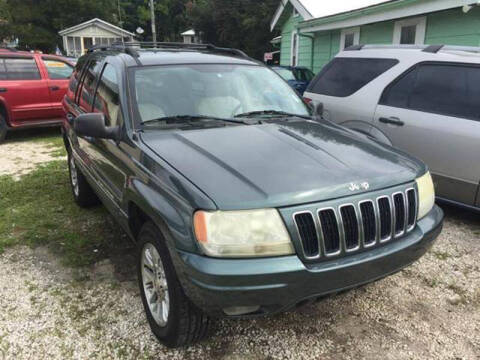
[(314, 31)]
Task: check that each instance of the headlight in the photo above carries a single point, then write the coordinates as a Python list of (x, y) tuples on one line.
[(426, 195), (245, 233)]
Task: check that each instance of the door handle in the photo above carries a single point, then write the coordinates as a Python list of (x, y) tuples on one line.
[(393, 120), (3, 90), (55, 88)]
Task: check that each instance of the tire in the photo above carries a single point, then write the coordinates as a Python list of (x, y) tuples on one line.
[(82, 192), (3, 128), (184, 323)]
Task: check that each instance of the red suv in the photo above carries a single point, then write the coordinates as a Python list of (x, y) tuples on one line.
[(32, 87)]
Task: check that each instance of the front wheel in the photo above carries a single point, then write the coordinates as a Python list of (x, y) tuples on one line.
[(173, 318)]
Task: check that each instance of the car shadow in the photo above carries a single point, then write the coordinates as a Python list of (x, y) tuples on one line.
[(31, 134), (459, 214)]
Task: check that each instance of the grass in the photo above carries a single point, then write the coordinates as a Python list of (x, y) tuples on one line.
[(441, 255), (39, 209)]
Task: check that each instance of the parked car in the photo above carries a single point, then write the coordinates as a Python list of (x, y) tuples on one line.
[(423, 100), (298, 77), (72, 60), (241, 202), (32, 86)]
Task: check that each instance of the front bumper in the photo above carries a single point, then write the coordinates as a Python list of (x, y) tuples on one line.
[(277, 284)]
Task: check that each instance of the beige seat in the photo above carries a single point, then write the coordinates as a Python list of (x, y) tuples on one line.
[(219, 106)]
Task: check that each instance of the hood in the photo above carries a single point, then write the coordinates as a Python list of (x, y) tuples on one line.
[(280, 164)]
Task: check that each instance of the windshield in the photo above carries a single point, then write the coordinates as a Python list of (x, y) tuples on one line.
[(286, 74), (211, 90)]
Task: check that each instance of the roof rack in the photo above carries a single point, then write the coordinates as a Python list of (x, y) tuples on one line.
[(132, 47), (433, 49), (425, 48)]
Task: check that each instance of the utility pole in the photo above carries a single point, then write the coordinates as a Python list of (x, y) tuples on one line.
[(152, 15), (120, 22)]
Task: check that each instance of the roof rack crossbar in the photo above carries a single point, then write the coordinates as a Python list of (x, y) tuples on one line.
[(131, 48), (177, 45), (472, 49), (425, 48), (102, 47)]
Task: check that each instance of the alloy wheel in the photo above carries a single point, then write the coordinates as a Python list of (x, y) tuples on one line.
[(74, 176), (155, 285)]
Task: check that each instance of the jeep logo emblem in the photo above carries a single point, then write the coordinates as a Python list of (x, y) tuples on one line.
[(356, 187)]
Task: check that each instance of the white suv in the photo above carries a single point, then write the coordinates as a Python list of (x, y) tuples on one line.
[(424, 100)]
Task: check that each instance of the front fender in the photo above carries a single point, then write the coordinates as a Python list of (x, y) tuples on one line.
[(174, 224), (176, 219)]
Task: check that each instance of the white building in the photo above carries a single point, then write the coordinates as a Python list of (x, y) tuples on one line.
[(79, 38), (189, 37)]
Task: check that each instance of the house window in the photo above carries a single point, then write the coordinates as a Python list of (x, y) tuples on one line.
[(349, 37), (349, 40), (294, 50), (410, 31), (407, 35)]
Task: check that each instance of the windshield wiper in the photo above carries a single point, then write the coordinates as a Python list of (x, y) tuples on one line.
[(271, 113), (182, 119)]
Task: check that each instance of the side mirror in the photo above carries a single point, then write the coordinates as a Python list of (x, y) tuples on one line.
[(93, 125), (318, 111)]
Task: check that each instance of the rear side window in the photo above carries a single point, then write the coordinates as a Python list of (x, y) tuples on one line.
[(57, 69), (451, 90), (19, 69), (344, 76)]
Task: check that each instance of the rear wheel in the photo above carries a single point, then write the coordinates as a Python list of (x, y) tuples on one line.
[(173, 318), (82, 192), (3, 128)]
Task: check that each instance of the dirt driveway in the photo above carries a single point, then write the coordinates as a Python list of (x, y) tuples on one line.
[(429, 310)]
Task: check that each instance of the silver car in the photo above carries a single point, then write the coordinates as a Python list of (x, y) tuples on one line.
[(424, 100)]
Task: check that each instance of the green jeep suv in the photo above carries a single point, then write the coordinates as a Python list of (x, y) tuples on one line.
[(241, 202)]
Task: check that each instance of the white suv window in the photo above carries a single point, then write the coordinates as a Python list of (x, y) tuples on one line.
[(445, 89), (343, 77)]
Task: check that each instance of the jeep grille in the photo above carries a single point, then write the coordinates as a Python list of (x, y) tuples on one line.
[(351, 227)]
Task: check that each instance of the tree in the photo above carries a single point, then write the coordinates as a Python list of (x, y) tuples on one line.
[(243, 24), (36, 22)]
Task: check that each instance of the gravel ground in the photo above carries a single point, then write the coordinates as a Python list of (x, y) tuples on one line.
[(18, 159), (429, 310)]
